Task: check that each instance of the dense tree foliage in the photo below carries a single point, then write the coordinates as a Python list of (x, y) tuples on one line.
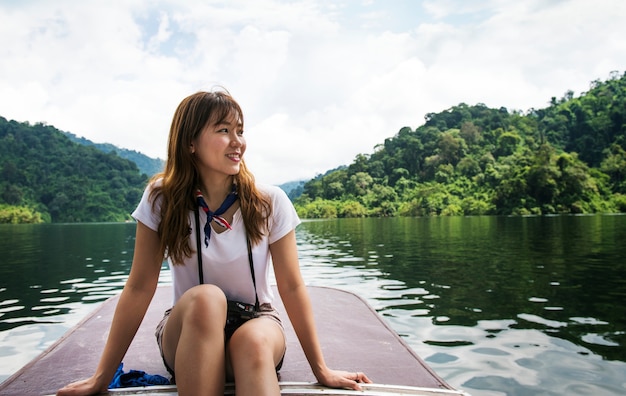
[(472, 160), (44, 177), (468, 160), (147, 165)]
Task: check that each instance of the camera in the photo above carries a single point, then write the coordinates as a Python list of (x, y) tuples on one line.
[(238, 313)]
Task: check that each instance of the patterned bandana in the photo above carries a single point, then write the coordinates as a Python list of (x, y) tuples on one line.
[(216, 216)]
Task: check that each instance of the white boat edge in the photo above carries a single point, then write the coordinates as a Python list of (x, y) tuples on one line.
[(304, 388)]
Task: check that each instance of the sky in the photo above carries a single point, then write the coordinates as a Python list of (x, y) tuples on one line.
[(319, 81)]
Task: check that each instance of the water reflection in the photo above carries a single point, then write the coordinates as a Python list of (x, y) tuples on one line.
[(486, 300), (51, 276), (42, 256), (495, 305)]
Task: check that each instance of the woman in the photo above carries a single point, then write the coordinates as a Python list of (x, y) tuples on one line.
[(204, 343)]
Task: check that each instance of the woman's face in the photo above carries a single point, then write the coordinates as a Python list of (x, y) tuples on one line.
[(219, 148)]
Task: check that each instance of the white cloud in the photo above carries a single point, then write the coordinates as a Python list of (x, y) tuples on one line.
[(319, 81)]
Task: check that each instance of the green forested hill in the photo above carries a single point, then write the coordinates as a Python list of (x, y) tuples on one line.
[(147, 165), (470, 160), (44, 176)]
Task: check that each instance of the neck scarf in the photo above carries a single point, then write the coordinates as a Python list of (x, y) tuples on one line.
[(216, 216)]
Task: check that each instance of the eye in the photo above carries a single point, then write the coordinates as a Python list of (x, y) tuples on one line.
[(223, 130), (240, 132)]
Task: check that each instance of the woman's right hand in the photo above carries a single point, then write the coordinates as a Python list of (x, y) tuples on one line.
[(84, 387)]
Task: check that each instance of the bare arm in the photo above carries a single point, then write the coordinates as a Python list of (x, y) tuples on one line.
[(295, 297), (129, 313)]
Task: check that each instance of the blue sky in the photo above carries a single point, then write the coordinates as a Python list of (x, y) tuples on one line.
[(319, 81)]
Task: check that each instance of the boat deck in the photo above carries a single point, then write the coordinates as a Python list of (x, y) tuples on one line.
[(353, 337)]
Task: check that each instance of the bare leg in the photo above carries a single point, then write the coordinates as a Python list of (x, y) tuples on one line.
[(254, 351), (193, 341)]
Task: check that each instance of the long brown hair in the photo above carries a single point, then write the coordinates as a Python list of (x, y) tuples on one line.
[(180, 179)]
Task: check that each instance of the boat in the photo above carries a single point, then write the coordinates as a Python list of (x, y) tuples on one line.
[(352, 334)]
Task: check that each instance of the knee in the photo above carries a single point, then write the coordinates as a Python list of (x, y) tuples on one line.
[(251, 346), (204, 304)]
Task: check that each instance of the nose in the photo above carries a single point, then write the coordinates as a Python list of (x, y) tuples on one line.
[(236, 140)]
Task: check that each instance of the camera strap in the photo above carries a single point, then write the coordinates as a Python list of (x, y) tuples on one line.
[(199, 254)]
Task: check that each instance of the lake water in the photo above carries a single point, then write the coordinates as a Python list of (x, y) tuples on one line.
[(495, 305)]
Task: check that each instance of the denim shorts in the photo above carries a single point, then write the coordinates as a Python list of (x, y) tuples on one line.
[(265, 311)]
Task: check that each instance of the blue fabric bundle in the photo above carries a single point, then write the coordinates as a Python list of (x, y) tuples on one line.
[(135, 378)]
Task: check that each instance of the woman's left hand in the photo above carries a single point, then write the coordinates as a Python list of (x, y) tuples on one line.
[(344, 379)]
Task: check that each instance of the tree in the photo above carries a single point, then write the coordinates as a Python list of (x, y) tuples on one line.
[(470, 133), (451, 148), (614, 165), (44, 173), (569, 157), (507, 143), (359, 184)]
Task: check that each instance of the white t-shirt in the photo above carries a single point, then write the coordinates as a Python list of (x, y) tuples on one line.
[(225, 261)]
